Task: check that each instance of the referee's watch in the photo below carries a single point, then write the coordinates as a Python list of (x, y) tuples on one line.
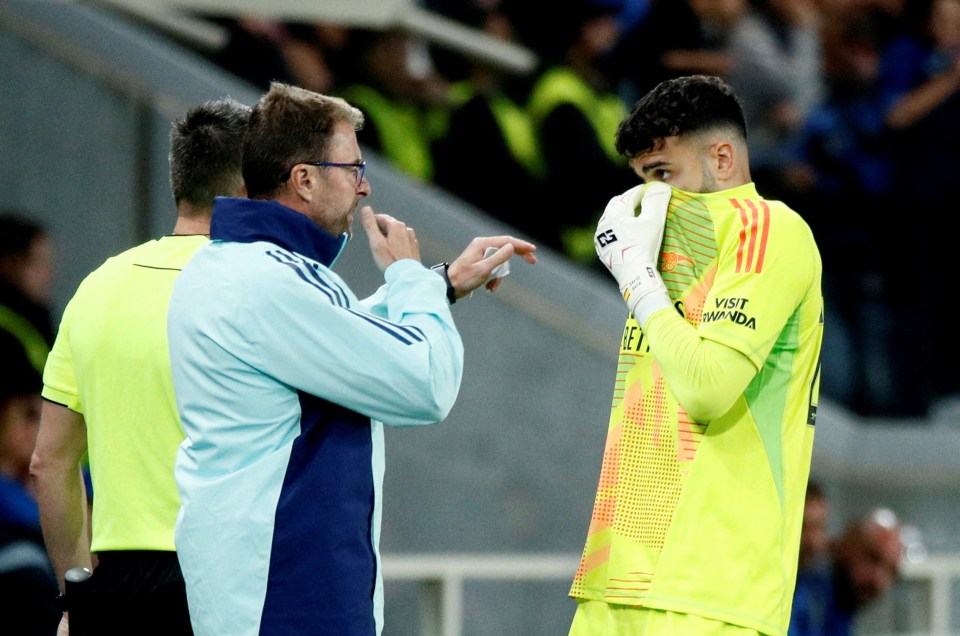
[(441, 268)]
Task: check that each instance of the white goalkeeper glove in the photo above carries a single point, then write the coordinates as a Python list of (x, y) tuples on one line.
[(629, 246)]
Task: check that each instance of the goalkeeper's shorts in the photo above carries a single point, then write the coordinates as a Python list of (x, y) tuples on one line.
[(596, 618)]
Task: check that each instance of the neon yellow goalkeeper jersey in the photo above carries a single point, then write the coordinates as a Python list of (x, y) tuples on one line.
[(703, 517)]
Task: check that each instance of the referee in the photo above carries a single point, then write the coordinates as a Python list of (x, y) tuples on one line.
[(108, 392)]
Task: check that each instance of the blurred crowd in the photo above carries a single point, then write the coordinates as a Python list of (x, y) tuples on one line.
[(839, 576), (853, 109), (27, 581)]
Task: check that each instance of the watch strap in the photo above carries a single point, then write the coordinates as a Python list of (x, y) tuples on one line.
[(441, 268)]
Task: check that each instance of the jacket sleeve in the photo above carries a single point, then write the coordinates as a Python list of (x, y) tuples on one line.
[(396, 357)]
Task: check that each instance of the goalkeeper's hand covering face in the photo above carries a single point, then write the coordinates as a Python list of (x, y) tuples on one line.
[(627, 242)]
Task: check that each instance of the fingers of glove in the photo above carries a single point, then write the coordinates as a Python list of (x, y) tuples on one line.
[(655, 199), (634, 196), (620, 209), (655, 194), (633, 240), (623, 205), (648, 202), (646, 229)]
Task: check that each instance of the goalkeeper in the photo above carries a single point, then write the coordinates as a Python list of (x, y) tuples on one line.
[(696, 524)]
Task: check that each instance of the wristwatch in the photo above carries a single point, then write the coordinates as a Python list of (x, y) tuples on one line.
[(441, 268)]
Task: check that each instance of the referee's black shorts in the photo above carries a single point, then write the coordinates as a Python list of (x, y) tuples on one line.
[(132, 592)]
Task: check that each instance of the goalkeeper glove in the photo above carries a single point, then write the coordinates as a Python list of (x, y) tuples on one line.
[(629, 246)]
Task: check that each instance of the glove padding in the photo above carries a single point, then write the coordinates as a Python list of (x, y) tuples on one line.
[(629, 246)]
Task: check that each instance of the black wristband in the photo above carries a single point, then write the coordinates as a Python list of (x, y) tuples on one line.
[(441, 268)]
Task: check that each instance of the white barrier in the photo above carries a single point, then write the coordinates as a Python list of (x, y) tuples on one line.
[(443, 575), (939, 572)]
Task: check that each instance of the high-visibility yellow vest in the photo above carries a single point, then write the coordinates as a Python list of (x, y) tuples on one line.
[(404, 135), (33, 342), (561, 85)]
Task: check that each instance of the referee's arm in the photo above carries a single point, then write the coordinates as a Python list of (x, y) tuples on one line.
[(61, 495)]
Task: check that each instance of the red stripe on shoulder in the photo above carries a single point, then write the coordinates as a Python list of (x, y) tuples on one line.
[(765, 234), (743, 233)]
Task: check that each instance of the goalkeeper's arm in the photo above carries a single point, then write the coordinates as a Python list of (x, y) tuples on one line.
[(705, 376)]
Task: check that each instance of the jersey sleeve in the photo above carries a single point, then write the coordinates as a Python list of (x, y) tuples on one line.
[(705, 377), (59, 379)]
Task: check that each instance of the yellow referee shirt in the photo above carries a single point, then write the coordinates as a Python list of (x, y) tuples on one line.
[(110, 363)]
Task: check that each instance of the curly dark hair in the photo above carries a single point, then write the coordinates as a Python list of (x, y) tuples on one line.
[(679, 106)]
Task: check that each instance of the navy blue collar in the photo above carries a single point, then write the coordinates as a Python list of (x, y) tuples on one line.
[(249, 220)]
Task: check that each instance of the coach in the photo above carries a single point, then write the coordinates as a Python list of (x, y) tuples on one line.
[(283, 379)]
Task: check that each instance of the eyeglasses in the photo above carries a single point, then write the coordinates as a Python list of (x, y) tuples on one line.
[(359, 168)]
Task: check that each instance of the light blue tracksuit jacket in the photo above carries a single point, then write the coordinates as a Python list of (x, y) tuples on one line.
[(283, 379)]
